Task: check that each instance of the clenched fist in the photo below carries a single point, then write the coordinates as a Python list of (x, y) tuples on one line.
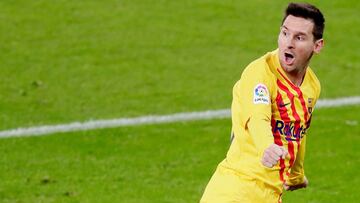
[(295, 187), (272, 155)]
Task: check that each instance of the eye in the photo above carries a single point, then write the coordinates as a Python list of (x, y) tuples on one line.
[(300, 38), (284, 32)]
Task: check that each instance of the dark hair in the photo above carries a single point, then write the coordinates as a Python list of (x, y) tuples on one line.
[(307, 11)]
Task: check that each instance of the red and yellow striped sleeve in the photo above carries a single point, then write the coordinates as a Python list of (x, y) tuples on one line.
[(297, 172)]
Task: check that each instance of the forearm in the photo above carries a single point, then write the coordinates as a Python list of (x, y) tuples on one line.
[(260, 130), (297, 173)]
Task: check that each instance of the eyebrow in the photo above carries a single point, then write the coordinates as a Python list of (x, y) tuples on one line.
[(299, 32)]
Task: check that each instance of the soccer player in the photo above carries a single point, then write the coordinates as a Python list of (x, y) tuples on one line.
[(271, 112)]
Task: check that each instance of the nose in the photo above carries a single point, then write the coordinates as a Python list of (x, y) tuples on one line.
[(289, 43)]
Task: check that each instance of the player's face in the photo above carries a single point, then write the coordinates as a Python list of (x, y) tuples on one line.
[(296, 44)]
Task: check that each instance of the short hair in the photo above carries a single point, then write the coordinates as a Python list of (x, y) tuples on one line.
[(307, 11)]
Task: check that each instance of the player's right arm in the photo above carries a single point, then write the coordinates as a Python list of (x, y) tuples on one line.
[(260, 129), (252, 109)]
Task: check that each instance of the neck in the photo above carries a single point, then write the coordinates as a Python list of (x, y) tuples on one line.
[(296, 76)]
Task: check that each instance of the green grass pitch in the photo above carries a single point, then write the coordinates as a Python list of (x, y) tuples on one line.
[(63, 61)]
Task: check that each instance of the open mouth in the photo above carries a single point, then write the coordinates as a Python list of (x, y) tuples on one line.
[(289, 58)]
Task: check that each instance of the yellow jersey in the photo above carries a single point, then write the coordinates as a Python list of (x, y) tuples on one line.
[(268, 108)]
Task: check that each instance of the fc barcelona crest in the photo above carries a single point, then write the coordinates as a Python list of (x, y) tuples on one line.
[(310, 105)]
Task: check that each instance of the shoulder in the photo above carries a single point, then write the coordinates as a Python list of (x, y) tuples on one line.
[(315, 82), (257, 74), (258, 68)]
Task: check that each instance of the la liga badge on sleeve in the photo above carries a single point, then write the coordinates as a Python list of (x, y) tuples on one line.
[(261, 94)]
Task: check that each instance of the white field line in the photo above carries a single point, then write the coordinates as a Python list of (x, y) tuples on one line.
[(151, 119)]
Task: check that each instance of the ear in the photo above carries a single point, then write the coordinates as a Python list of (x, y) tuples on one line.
[(319, 44)]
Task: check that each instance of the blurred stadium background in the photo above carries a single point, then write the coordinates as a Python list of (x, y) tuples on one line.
[(64, 61)]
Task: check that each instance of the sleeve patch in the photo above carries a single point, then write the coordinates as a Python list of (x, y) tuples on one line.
[(261, 94)]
